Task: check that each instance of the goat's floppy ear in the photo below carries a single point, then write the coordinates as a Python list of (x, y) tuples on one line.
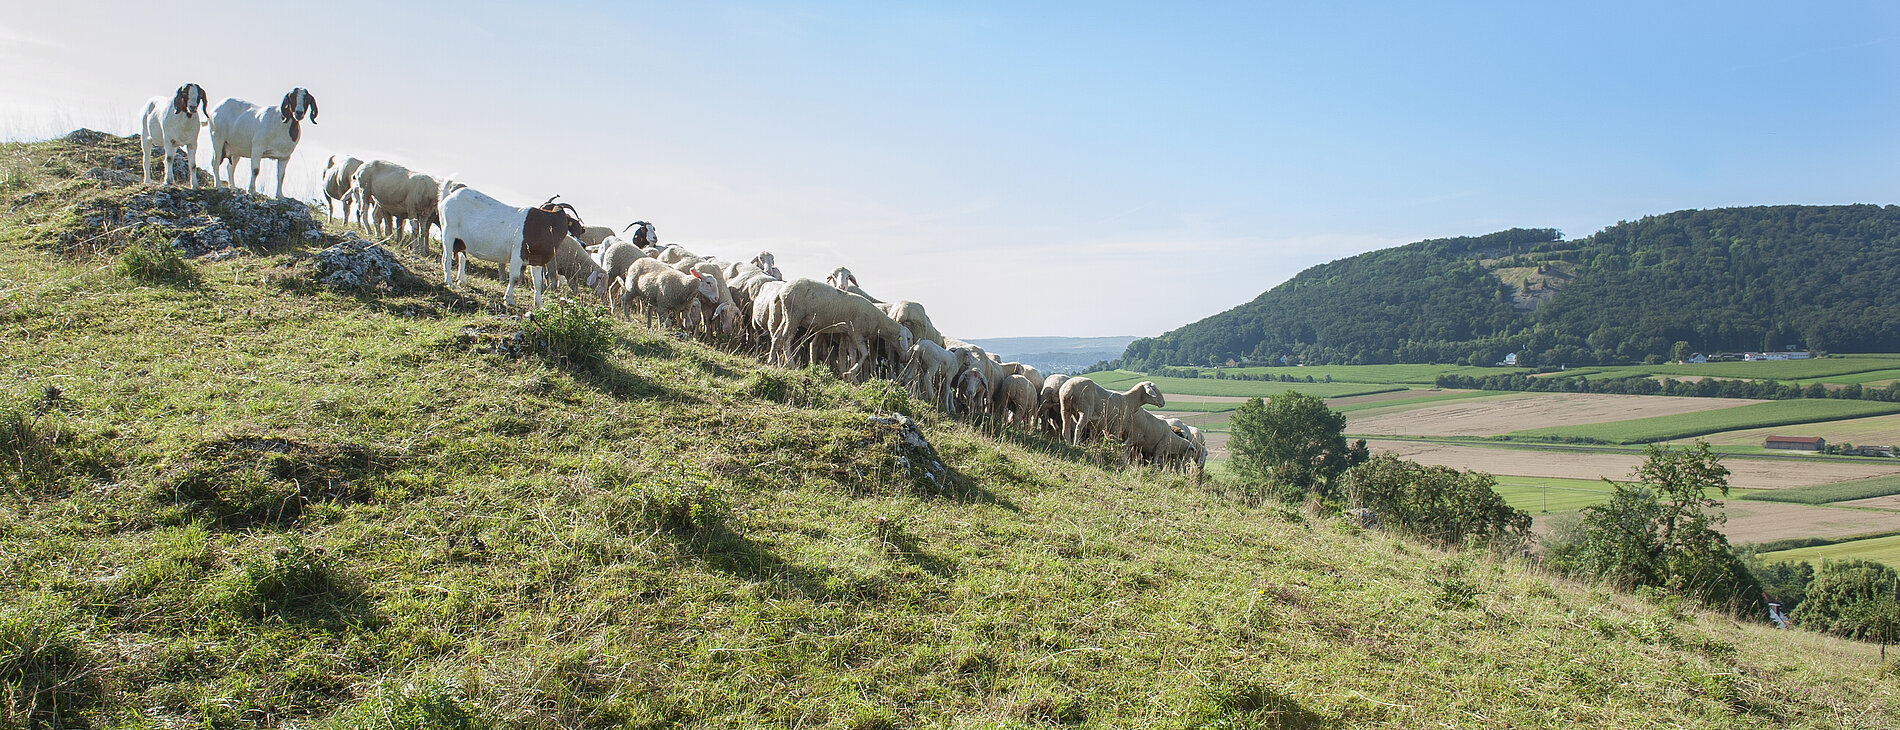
[(285, 108), (181, 102), (311, 101)]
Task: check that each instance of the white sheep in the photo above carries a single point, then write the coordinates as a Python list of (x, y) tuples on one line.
[(1050, 412), (1150, 439), (1016, 401), (1195, 437), (1089, 410), (912, 315), (769, 264), (928, 373), (724, 317), (172, 122), (338, 176), (617, 257), (843, 279), (665, 292), (474, 224), (242, 129), (812, 308), (572, 261), (400, 195)]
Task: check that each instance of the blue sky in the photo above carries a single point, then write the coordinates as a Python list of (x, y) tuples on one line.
[(1035, 168)]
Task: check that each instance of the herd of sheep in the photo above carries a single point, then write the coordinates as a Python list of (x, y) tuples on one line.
[(793, 322)]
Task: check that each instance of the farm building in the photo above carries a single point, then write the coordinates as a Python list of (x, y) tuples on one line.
[(1796, 443), (1767, 356)]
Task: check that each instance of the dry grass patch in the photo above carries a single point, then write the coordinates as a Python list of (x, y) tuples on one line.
[(1493, 416)]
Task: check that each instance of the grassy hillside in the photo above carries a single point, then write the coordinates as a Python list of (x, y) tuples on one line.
[(254, 501)]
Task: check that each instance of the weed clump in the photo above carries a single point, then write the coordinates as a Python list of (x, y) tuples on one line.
[(675, 500), (45, 670), (38, 454), (431, 706), (296, 581), (151, 260), (568, 331), (246, 480)]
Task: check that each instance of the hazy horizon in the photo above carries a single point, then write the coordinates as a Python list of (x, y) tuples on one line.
[(1047, 170)]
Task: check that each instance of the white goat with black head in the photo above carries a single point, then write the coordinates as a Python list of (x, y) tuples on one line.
[(172, 122), (242, 129), (474, 224)]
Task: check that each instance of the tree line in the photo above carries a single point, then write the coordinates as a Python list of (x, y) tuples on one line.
[(1645, 385), (1731, 279)]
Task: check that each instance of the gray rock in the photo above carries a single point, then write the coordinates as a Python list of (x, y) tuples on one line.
[(358, 264)]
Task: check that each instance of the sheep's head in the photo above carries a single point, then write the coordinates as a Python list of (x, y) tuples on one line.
[(1151, 394), (904, 343), (842, 278), (189, 99)]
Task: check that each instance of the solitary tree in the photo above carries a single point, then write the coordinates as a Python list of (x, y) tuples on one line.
[(1662, 532), (1291, 443)]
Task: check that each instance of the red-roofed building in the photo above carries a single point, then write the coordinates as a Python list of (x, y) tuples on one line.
[(1796, 443)]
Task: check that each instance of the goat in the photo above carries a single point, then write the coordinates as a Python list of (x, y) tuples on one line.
[(242, 129), (474, 224), (172, 123)]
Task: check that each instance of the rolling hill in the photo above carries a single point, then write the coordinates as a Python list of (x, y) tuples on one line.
[(240, 492), (1731, 279)]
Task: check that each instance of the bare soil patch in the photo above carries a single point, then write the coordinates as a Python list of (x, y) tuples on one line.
[(1743, 473), (1490, 417), (1750, 521), (1891, 501)]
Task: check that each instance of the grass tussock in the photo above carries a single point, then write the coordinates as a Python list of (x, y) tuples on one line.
[(260, 506)]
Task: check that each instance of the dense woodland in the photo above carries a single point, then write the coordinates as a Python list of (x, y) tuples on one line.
[(1730, 279)]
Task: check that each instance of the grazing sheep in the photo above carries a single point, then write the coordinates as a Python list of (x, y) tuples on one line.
[(617, 257), (1088, 410), (1194, 436), (768, 264), (724, 318), (928, 373), (338, 177), (1050, 410), (1150, 440), (912, 315), (172, 122), (474, 224), (843, 279), (242, 129), (400, 194), (572, 261), (1016, 401), (811, 308), (645, 236), (673, 253), (664, 292), (970, 390)]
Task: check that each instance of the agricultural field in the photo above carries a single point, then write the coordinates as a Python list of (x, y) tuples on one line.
[(1584, 463), (1511, 413), (1872, 430), (1857, 493), (1879, 549), (1687, 423)]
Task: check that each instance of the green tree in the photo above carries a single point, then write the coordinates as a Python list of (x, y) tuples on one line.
[(1662, 532), (1834, 598), (1291, 443), (1679, 352)]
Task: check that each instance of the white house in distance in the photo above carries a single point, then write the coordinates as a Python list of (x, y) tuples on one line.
[(1765, 356)]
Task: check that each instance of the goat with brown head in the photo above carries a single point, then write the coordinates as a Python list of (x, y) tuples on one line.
[(173, 123), (241, 129)]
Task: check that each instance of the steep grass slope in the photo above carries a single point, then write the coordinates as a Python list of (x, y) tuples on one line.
[(253, 501)]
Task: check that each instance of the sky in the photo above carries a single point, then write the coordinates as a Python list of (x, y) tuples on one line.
[(1031, 169)]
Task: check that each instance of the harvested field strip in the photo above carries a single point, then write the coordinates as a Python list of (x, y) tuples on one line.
[(1869, 377), (1777, 369), (1490, 416), (1588, 464), (1878, 549), (1688, 425), (1369, 408), (1753, 521), (1832, 493)]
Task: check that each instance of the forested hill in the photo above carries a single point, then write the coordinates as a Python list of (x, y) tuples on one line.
[(1730, 279)]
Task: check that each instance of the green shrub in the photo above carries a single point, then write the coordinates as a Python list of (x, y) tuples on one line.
[(567, 331), (1437, 503), (152, 260), (1832, 600), (45, 669)]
